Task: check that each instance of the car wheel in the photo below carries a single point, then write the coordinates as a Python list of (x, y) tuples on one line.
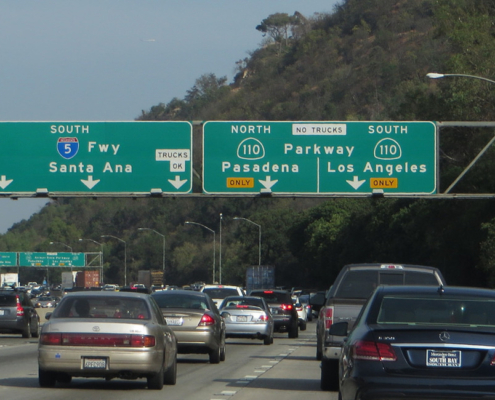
[(329, 375), (37, 332), (64, 378), (215, 355), (294, 331), (223, 351), (303, 325), (319, 352), (155, 381), (267, 340), (26, 333), (170, 377), (46, 378)]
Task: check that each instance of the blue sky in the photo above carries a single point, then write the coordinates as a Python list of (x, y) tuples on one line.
[(106, 60)]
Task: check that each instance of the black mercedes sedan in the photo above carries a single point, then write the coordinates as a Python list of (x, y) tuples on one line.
[(419, 342)]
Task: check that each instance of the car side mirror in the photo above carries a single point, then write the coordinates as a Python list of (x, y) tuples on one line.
[(48, 315), (339, 329)]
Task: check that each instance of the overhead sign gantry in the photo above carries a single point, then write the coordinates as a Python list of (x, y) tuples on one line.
[(356, 158)]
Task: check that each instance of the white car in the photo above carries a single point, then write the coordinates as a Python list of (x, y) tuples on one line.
[(220, 292), (302, 313)]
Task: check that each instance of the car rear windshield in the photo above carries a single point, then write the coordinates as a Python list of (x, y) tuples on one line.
[(220, 293), (102, 307), (359, 284), (7, 300), (429, 310), (243, 302), (274, 297), (180, 301)]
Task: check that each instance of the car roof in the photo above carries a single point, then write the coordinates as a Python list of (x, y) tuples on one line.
[(177, 292), (269, 290), (93, 293), (440, 290), (391, 266), (220, 287)]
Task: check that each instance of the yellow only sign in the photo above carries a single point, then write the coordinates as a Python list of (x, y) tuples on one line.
[(384, 183), (240, 182)]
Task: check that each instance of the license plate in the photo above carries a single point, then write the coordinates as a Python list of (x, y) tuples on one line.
[(436, 358), (2, 312), (241, 318), (94, 363), (174, 321)]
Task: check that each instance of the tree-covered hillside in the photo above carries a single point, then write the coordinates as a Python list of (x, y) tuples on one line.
[(367, 60)]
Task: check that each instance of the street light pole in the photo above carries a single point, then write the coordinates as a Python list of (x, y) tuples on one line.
[(211, 230), (101, 255), (125, 254), (220, 259), (163, 253), (259, 236), (70, 248), (435, 75)]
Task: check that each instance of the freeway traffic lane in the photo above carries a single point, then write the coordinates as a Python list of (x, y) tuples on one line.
[(286, 369)]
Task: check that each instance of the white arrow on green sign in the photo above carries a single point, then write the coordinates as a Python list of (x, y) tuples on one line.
[(128, 158), (319, 157)]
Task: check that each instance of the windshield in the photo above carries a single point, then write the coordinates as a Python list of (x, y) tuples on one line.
[(180, 301), (220, 293), (436, 310), (102, 307)]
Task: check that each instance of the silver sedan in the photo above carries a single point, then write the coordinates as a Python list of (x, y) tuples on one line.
[(247, 317), (107, 335)]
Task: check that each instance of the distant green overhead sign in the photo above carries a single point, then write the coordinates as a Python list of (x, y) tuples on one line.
[(8, 259), (319, 157), (95, 157), (51, 259)]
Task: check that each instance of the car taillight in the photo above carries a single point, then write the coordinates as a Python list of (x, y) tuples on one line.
[(94, 339), (263, 318), (20, 309), (287, 307), (365, 350), (328, 317), (206, 320)]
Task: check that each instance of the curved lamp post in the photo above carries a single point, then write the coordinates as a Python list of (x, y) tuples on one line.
[(259, 240), (435, 75), (101, 255), (211, 230), (63, 244), (163, 237), (125, 254), (220, 258)]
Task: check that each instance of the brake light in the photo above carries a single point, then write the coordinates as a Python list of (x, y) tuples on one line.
[(328, 317), (101, 340), (268, 291), (263, 318), (287, 307), (206, 320), (241, 306), (20, 309), (365, 350)]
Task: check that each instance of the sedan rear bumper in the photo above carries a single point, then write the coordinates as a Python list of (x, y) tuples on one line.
[(140, 362), (247, 330)]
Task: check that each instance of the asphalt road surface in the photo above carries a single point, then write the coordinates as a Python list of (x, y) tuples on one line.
[(287, 370)]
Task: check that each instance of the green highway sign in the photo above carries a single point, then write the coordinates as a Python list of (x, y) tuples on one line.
[(85, 158), (319, 157), (8, 259), (52, 260)]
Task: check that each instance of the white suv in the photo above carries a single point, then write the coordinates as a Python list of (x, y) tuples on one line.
[(220, 292)]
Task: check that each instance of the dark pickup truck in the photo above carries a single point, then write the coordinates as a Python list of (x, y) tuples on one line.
[(345, 299)]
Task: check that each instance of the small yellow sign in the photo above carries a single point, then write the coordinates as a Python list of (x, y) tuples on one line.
[(384, 183), (240, 182)]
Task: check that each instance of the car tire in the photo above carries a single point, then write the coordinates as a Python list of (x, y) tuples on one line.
[(294, 331), (170, 376), (267, 340), (36, 333), (223, 351), (64, 378), (319, 352), (329, 375), (215, 355), (26, 333), (46, 379), (303, 325), (155, 381)]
